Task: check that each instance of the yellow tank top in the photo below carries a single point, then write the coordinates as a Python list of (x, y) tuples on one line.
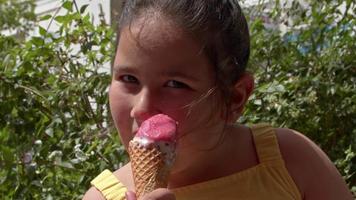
[(267, 180)]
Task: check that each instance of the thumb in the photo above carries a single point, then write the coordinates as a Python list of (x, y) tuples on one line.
[(129, 195), (160, 194)]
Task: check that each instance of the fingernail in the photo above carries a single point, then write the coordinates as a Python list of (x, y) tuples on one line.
[(129, 195)]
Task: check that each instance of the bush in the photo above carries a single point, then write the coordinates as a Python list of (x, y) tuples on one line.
[(55, 126), (306, 75)]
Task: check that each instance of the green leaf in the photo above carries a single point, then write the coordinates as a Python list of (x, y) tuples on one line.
[(7, 154), (14, 112), (45, 17), (4, 135), (42, 31), (38, 41), (7, 61), (68, 5), (66, 165), (83, 8), (60, 19)]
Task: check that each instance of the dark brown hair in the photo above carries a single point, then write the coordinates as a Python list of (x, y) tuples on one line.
[(219, 25)]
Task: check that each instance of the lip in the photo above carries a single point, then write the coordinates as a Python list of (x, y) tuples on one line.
[(134, 132)]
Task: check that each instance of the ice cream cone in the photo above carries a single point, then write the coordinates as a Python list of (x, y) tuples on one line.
[(150, 167), (152, 153)]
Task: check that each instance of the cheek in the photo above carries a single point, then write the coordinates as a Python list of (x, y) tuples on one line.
[(203, 115), (117, 102), (120, 111), (175, 106)]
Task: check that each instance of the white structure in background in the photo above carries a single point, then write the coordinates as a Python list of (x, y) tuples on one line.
[(285, 21), (53, 7)]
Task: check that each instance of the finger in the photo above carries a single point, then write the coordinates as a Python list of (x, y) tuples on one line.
[(129, 195), (160, 194)]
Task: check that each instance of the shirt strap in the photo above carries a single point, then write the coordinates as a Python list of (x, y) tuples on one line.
[(107, 183), (266, 143)]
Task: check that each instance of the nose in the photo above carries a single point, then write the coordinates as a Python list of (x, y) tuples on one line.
[(145, 105)]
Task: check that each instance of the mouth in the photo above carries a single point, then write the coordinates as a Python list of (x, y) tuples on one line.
[(134, 132)]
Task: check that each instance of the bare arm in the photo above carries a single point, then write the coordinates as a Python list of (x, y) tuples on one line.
[(93, 194), (313, 172), (158, 194)]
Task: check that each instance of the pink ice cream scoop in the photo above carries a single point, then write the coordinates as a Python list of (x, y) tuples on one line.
[(152, 153), (158, 128)]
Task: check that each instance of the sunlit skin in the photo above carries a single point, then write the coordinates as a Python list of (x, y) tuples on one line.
[(155, 74), (165, 73)]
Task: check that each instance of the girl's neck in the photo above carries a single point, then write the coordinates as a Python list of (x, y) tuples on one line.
[(235, 153)]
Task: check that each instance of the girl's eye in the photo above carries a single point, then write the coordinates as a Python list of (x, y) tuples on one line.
[(176, 84), (128, 79)]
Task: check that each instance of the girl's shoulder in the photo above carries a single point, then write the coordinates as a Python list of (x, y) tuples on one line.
[(311, 169), (298, 151)]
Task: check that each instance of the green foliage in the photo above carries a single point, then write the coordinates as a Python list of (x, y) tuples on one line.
[(17, 15), (306, 75), (55, 128)]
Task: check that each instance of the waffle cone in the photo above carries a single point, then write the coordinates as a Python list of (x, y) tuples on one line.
[(149, 168)]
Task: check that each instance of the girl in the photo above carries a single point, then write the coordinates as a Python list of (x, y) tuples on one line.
[(187, 59)]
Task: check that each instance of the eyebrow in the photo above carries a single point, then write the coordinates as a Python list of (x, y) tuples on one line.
[(125, 69), (181, 75), (173, 73)]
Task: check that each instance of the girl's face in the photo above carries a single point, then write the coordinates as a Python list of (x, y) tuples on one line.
[(160, 69)]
